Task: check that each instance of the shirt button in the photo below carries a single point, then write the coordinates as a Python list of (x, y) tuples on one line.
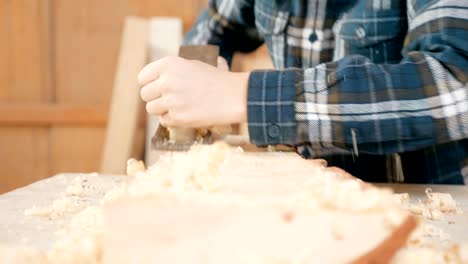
[(360, 32), (274, 131), (313, 37)]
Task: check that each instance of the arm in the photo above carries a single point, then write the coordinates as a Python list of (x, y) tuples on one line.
[(225, 23), (353, 103)]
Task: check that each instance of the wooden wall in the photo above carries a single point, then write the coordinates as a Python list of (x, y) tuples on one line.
[(57, 64)]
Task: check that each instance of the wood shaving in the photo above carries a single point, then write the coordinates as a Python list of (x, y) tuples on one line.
[(70, 201), (434, 207), (135, 166), (80, 242), (57, 209), (442, 202), (427, 235), (76, 187)]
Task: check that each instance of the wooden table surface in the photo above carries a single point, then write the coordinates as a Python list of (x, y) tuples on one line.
[(38, 232)]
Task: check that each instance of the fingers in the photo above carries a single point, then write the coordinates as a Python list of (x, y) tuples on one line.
[(149, 73), (155, 69), (165, 120), (151, 91), (157, 107)]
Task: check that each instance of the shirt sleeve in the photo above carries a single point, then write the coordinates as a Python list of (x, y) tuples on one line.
[(223, 23), (355, 105)]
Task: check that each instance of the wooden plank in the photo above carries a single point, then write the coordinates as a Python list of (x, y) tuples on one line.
[(207, 231), (24, 156), (216, 234), (41, 114), (126, 106)]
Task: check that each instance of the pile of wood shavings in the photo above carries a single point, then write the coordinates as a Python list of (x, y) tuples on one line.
[(434, 207), (428, 243), (81, 240)]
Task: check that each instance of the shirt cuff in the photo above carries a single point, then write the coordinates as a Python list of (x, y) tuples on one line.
[(271, 100)]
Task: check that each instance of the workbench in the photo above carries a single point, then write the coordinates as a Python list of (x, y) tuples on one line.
[(17, 228)]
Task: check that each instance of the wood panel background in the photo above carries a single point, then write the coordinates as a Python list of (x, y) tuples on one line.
[(57, 65)]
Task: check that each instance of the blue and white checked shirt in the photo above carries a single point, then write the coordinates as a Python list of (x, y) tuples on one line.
[(356, 81)]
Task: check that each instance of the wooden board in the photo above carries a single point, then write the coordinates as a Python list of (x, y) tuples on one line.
[(126, 106), (210, 234), (207, 229)]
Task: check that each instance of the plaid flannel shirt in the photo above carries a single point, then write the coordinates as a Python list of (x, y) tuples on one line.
[(355, 81)]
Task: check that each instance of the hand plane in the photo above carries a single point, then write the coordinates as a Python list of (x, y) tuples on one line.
[(181, 139)]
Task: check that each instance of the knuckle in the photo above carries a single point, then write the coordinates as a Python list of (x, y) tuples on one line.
[(175, 117), (163, 121), (148, 107), (165, 84), (170, 59), (143, 93)]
